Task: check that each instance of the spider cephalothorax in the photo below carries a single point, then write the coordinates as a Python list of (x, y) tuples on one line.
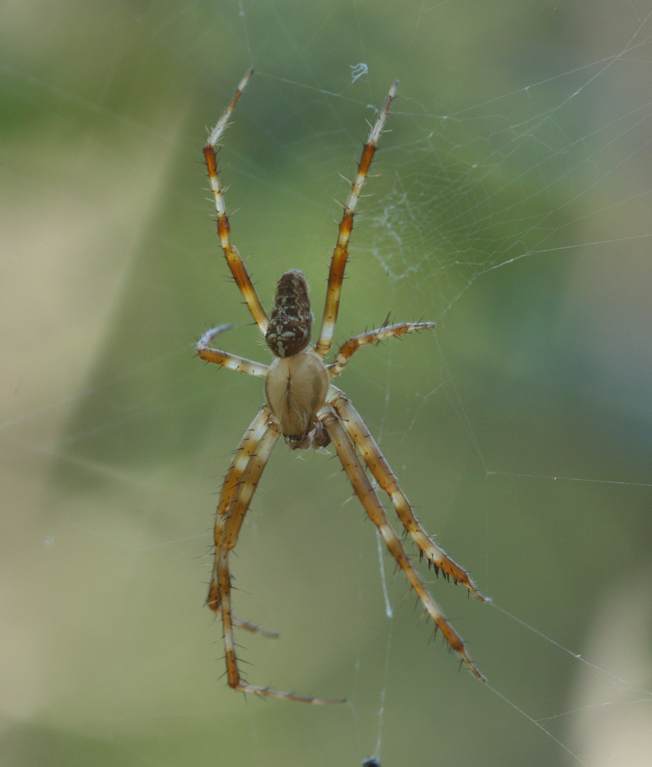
[(309, 411), (296, 389)]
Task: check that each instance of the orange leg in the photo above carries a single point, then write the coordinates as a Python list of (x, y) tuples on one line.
[(382, 472), (341, 252), (226, 359), (236, 265), (239, 463), (237, 492), (367, 495), (233, 519), (350, 347)]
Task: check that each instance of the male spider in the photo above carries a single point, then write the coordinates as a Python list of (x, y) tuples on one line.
[(309, 411)]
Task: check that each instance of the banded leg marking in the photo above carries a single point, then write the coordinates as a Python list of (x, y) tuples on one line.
[(233, 524), (341, 252), (382, 472), (235, 263), (240, 491), (226, 359), (367, 495), (350, 347), (239, 463)]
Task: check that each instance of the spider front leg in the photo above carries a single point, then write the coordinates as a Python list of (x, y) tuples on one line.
[(235, 263), (238, 489), (367, 496), (382, 472), (232, 481), (237, 493), (226, 359), (350, 347)]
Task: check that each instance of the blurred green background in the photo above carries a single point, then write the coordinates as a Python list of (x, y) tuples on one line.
[(512, 207)]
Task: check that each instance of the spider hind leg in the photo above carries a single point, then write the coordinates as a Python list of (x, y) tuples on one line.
[(341, 251), (231, 254)]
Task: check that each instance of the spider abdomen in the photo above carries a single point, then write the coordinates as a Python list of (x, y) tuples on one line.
[(288, 331), (296, 389)]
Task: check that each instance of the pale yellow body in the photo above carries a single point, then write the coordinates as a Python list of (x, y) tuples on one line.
[(296, 389)]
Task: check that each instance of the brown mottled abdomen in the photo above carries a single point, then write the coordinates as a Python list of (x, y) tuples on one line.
[(288, 331)]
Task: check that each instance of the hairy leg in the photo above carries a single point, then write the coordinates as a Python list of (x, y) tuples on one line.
[(367, 495), (233, 523), (350, 347), (341, 252), (382, 472), (235, 263), (226, 359), (239, 463)]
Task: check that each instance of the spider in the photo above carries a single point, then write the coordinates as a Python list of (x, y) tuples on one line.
[(309, 411)]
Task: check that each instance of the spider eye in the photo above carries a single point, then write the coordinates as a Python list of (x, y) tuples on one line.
[(289, 326)]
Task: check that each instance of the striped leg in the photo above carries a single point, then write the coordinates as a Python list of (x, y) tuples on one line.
[(236, 265), (369, 499), (231, 530), (225, 359), (238, 489), (350, 347), (239, 463), (341, 252), (382, 472)]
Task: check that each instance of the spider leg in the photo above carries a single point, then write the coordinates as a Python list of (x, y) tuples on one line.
[(226, 359), (241, 496), (341, 252), (253, 628), (350, 347), (380, 469), (239, 463), (236, 265), (237, 491), (369, 499)]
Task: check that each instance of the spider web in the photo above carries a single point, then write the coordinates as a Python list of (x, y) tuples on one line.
[(512, 207)]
